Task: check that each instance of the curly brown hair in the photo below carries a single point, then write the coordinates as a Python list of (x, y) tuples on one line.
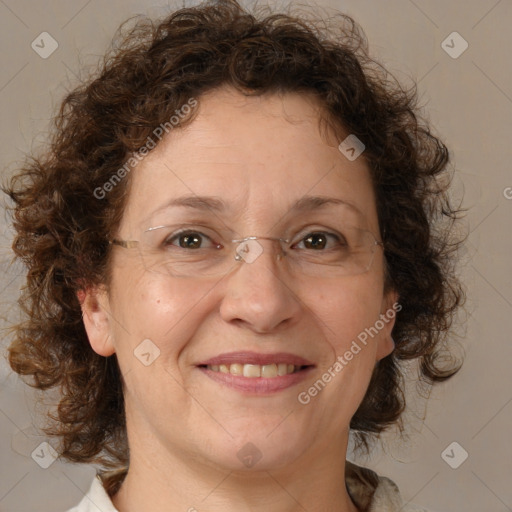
[(152, 69)]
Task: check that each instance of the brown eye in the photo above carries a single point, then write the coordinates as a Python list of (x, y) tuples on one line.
[(315, 241), (188, 240), (191, 241), (318, 241)]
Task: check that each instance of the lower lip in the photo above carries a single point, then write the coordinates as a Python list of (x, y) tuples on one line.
[(257, 385)]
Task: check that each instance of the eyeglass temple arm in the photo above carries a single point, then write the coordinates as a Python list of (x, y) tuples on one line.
[(127, 244)]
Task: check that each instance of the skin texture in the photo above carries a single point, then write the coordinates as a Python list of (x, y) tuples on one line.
[(258, 154)]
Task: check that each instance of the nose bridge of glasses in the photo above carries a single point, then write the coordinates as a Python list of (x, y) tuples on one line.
[(248, 249)]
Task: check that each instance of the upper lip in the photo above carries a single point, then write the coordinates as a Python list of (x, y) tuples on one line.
[(256, 358)]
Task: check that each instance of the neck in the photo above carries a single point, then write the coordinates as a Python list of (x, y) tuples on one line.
[(161, 481)]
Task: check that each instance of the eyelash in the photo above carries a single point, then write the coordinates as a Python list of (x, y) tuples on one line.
[(174, 236)]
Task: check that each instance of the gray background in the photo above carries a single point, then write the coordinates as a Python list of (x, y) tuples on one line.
[(469, 101)]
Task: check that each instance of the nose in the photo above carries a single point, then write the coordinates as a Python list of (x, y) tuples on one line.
[(259, 294)]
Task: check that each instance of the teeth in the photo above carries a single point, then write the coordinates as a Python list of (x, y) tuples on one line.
[(251, 371), (282, 369), (269, 371), (236, 369)]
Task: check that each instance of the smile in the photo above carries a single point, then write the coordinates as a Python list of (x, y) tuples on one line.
[(255, 373), (268, 371)]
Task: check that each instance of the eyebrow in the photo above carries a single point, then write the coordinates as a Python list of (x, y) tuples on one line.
[(209, 203)]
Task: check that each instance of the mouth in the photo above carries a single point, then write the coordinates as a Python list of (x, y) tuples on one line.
[(255, 373)]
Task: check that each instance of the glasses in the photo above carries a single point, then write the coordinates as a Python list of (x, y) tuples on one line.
[(190, 252)]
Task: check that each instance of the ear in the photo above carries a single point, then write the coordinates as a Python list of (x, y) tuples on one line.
[(389, 309), (96, 317)]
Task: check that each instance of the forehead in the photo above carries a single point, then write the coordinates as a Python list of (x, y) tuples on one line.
[(258, 155)]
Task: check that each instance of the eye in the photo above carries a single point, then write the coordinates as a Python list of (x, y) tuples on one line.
[(191, 240), (318, 240)]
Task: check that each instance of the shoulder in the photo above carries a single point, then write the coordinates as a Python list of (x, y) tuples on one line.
[(96, 499), (375, 493)]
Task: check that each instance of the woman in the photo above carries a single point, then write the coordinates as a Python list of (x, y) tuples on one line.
[(215, 345)]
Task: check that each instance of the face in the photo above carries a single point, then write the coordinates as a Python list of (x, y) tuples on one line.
[(259, 156)]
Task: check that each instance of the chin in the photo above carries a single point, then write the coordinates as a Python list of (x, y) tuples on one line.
[(261, 446)]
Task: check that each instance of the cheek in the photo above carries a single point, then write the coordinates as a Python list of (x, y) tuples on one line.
[(154, 307), (343, 311), (347, 307), (346, 312)]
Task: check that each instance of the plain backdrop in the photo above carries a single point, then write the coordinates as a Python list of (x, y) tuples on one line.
[(468, 99)]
